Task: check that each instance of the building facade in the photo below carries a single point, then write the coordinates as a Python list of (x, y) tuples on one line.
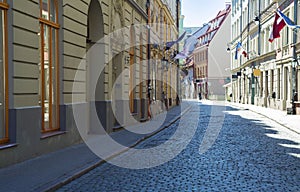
[(268, 76), (164, 71), (59, 56), (211, 59), (191, 46)]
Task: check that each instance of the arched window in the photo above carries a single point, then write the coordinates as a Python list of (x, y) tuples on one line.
[(49, 65), (4, 129)]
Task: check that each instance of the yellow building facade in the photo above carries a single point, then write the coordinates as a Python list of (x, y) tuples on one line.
[(164, 26)]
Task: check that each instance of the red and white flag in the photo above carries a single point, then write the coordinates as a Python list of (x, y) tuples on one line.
[(278, 25)]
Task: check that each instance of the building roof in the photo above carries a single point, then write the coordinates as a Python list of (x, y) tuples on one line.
[(215, 25)]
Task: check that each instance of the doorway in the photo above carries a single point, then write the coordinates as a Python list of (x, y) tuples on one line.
[(94, 67)]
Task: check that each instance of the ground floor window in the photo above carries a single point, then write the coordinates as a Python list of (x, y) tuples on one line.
[(4, 128), (49, 67)]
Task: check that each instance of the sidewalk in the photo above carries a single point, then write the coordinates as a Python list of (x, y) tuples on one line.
[(50, 171), (291, 122)]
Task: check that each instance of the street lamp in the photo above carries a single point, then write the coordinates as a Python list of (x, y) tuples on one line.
[(228, 47), (256, 20)]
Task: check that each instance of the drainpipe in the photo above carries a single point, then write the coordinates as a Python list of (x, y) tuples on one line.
[(294, 62), (241, 36), (258, 52)]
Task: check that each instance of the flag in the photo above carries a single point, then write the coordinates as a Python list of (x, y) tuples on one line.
[(240, 50), (278, 25), (188, 48), (181, 55), (190, 45), (280, 22), (171, 43), (287, 20), (181, 37)]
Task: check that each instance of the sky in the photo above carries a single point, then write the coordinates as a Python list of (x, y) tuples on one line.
[(198, 12)]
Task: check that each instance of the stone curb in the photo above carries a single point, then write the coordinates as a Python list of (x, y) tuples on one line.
[(272, 119)]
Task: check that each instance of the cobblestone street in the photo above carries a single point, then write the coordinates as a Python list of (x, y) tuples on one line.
[(250, 153)]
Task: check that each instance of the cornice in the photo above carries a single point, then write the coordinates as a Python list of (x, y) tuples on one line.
[(138, 8), (251, 61)]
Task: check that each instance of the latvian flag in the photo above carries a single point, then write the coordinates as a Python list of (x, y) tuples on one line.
[(240, 50), (280, 22)]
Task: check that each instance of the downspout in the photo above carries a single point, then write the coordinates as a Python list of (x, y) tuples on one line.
[(294, 62)]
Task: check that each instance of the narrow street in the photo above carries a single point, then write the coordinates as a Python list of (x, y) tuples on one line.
[(249, 152)]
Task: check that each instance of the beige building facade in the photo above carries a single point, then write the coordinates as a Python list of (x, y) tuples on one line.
[(67, 59), (211, 60), (267, 77)]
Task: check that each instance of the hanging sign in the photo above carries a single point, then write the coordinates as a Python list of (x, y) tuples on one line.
[(256, 72)]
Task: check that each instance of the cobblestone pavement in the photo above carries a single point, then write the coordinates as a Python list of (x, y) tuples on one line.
[(251, 153)]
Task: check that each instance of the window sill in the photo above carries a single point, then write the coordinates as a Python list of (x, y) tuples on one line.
[(52, 134), (8, 145)]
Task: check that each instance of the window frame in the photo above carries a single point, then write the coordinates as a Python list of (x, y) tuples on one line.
[(4, 9), (52, 25)]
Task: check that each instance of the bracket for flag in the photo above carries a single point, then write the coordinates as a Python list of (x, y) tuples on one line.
[(256, 19)]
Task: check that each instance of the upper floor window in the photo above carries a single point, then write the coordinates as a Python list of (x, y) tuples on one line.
[(4, 128), (49, 65), (49, 10)]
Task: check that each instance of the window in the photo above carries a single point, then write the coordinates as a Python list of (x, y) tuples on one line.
[(49, 63), (278, 83), (261, 84), (272, 82), (285, 36), (4, 134), (267, 44)]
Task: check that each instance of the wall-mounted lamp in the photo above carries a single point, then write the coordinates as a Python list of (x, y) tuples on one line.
[(228, 47), (256, 20), (295, 63), (258, 15)]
